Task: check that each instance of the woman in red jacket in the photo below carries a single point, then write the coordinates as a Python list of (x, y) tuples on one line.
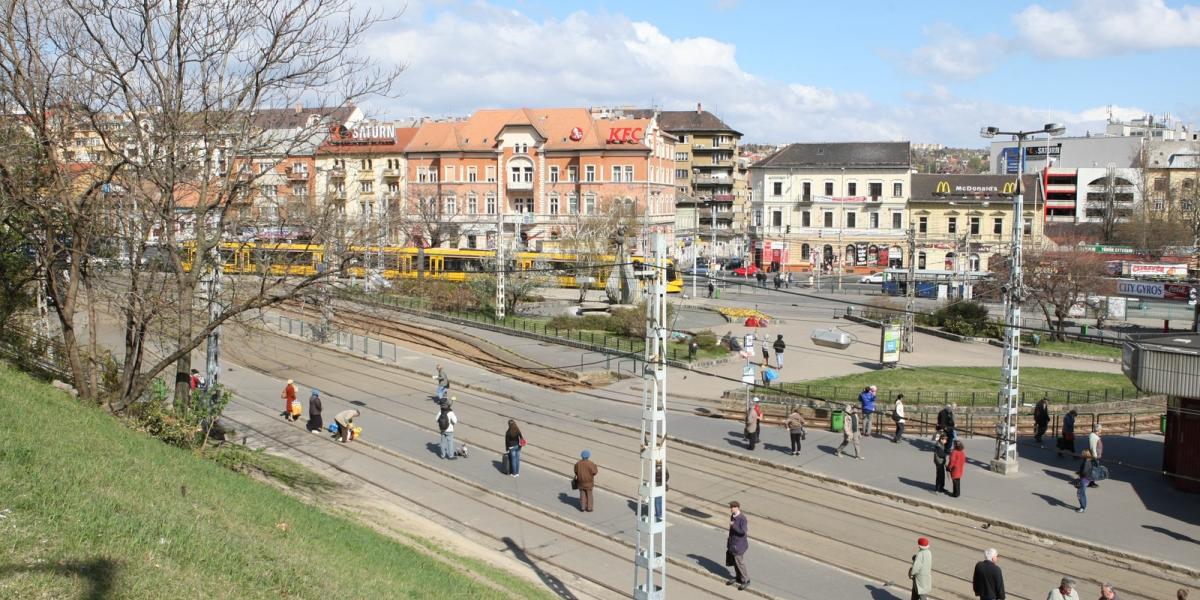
[(955, 464)]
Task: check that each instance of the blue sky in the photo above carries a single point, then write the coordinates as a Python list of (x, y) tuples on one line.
[(806, 71)]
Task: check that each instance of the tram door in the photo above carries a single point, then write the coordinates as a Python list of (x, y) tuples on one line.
[(435, 265)]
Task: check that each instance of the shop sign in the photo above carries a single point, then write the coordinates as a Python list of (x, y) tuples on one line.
[(1153, 270), (1044, 150), (625, 135), (576, 134), (1153, 289)]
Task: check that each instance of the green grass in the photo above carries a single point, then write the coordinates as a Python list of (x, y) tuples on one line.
[(1075, 347), (94, 510), (935, 385)]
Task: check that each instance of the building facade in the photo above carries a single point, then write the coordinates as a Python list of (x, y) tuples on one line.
[(537, 174), (831, 205), (964, 222), (362, 175)]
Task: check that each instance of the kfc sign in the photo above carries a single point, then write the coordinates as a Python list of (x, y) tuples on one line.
[(625, 135), (576, 134)]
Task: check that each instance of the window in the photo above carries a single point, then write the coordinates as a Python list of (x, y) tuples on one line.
[(897, 189), (489, 203), (628, 173), (681, 173), (876, 190), (776, 218), (920, 260), (422, 174), (489, 174), (554, 174), (681, 156), (263, 168), (952, 225), (269, 191), (852, 188), (777, 188), (589, 173), (1158, 205), (998, 225), (807, 190), (806, 219), (573, 203), (451, 205), (922, 224), (828, 218), (393, 163), (472, 204), (974, 225), (874, 220), (828, 188), (554, 204), (364, 164), (851, 219), (299, 190), (339, 187), (1160, 184), (393, 187), (520, 148), (472, 174), (573, 174), (683, 139), (1028, 226), (897, 220), (366, 187), (519, 173), (589, 204), (449, 174), (523, 205)]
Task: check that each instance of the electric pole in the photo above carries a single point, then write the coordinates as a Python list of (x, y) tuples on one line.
[(910, 292), (650, 563), (500, 265)]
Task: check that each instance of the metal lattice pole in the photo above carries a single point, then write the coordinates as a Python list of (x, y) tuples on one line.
[(910, 292), (1005, 460), (500, 264), (650, 564)]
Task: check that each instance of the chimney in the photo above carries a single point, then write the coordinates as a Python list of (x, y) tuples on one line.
[(698, 110), (299, 108)]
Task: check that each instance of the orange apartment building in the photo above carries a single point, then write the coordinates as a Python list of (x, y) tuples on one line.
[(541, 171)]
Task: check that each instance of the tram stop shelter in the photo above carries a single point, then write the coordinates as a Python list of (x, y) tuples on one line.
[(1170, 365)]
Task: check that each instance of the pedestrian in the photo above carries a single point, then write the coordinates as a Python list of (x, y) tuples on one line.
[(766, 352), (1181, 594), (780, 346), (736, 545), (1086, 466), (1064, 591), (850, 433), (288, 395), (988, 581), (711, 288), (787, 280), (921, 571), (315, 424), (443, 384), (939, 464), (754, 414), (195, 381), (956, 463), (1066, 439), (1096, 445), (585, 480), (1041, 420), (898, 417), (778, 281), (660, 480), (945, 424), (345, 423), (1108, 592), (867, 398), (514, 441), (795, 427), (693, 348), (445, 422)]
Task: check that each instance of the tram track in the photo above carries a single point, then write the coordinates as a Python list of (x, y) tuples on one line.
[(892, 526)]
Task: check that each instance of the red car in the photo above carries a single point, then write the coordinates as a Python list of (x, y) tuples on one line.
[(746, 271)]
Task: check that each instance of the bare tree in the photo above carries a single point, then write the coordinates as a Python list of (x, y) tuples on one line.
[(1058, 279), (590, 238), (428, 218)]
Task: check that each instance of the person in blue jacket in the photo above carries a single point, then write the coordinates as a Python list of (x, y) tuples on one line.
[(867, 398)]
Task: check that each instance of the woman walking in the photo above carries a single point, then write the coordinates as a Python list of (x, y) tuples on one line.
[(315, 422), (955, 464), (514, 441), (1085, 477), (795, 427)]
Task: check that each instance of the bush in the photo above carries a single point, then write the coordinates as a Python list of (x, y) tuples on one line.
[(707, 339), (963, 318)]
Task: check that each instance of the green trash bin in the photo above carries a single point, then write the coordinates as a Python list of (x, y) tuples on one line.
[(838, 421), (1083, 330), (1162, 424), (716, 292)]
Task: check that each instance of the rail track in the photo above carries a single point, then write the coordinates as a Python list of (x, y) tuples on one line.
[(856, 532)]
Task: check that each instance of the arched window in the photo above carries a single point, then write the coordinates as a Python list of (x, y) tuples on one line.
[(805, 252), (851, 257), (921, 260), (950, 261), (974, 262)]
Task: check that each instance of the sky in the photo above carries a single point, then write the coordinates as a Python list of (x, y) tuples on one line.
[(803, 71)]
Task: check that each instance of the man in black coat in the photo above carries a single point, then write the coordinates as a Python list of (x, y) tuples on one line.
[(988, 581)]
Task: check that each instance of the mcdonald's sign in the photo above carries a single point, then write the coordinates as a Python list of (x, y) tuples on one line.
[(1009, 189), (943, 188)]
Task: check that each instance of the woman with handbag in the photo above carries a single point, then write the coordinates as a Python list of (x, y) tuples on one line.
[(513, 442), (1086, 476)]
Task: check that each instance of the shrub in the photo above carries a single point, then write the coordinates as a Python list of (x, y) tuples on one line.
[(707, 339), (963, 318)]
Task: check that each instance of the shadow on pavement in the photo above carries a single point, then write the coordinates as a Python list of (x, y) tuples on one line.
[(777, 448), (878, 593), (691, 512), (1052, 501), (499, 466), (828, 449), (569, 500), (712, 566), (1179, 536), (924, 486), (1059, 475), (434, 447), (100, 574), (555, 584)]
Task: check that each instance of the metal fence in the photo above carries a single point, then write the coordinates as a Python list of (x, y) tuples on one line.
[(356, 342), (849, 394)]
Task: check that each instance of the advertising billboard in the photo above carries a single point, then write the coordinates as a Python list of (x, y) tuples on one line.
[(1153, 289), (889, 345)]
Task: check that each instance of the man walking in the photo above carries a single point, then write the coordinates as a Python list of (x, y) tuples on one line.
[(1064, 591), (753, 416), (585, 479), (867, 398), (921, 571), (898, 417), (1066, 441), (939, 464), (850, 433), (445, 422), (779, 348), (988, 581), (736, 545), (1041, 420), (1096, 445), (711, 287), (443, 384)]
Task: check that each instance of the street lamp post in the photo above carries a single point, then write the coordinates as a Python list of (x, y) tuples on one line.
[(1005, 459)]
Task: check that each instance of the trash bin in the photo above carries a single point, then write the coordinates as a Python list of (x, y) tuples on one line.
[(717, 293), (838, 421), (1162, 424), (1083, 329)]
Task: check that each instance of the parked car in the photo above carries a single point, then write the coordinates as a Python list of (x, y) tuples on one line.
[(746, 271), (700, 269), (872, 278)]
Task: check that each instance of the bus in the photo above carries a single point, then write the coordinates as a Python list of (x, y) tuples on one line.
[(931, 283)]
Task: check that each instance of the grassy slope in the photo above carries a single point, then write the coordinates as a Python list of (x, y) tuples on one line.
[(1084, 348), (94, 510)]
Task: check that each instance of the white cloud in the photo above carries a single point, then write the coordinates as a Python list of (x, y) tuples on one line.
[(950, 54), (1092, 28)]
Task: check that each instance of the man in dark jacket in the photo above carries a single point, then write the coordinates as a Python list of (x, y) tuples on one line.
[(736, 545), (779, 348), (1041, 419), (585, 479), (945, 424), (988, 581), (939, 464)]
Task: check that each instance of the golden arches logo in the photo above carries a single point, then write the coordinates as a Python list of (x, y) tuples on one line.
[(943, 188), (1010, 188)]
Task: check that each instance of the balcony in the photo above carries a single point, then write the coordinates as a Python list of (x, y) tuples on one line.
[(728, 146), (365, 175), (710, 180), (297, 175), (520, 185), (722, 197), (337, 173), (393, 173)]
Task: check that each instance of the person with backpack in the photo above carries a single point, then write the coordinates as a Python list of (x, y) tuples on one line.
[(513, 442), (445, 422), (315, 423), (345, 422), (1041, 420), (867, 399), (1086, 472), (945, 425), (711, 289), (1066, 441), (443, 384), (779, 348)]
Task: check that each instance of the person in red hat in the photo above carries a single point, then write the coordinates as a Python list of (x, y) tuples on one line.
[(921, 571)]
